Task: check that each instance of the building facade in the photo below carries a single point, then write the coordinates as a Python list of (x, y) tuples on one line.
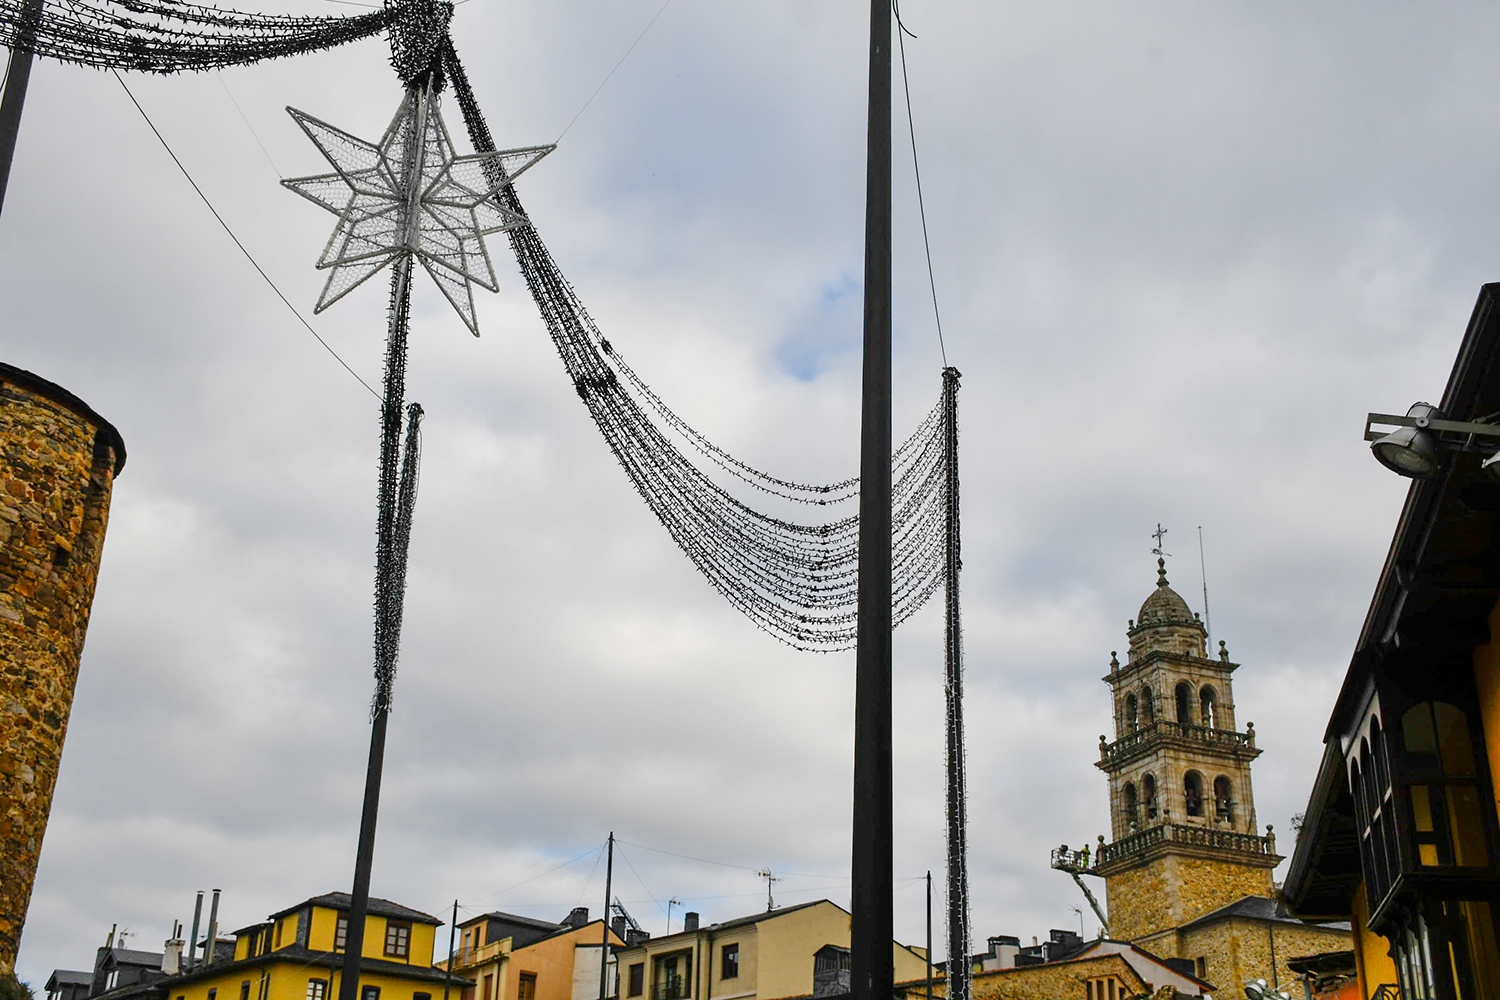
[(765, 956), (1403, 824), (297, 954), (510, 957), (1188, 872), (1182, 809), (58, 462)]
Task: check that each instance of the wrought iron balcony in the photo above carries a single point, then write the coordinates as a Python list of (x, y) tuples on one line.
[(1135, 743), (1179, 833)]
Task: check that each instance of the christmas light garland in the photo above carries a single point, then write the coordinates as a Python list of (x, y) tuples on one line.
[(798, 581)]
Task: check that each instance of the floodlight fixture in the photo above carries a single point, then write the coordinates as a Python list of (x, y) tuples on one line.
[(1414, 448)]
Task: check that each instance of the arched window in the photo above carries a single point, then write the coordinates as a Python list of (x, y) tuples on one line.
[(1184, 697), (1132, 713), (1148, 707), (1148, 796), (1223, 800), (1132, 807), (1192, 793), (1208, 705)]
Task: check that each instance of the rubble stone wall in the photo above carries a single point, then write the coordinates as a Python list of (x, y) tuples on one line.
[(58, 460), (1173, 890)]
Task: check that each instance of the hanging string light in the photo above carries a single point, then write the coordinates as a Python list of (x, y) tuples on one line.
[(796, 579)]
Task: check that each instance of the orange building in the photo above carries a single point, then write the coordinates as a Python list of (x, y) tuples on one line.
[(509, 957)]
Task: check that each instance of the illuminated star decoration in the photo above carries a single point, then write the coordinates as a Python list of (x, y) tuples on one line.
[(410, 194)]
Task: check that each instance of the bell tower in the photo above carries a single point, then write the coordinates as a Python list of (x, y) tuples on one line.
[(1184, 839)]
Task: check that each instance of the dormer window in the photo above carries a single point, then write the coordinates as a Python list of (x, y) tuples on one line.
[(397, 939)]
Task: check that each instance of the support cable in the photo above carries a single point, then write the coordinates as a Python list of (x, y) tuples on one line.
[(248, 256)]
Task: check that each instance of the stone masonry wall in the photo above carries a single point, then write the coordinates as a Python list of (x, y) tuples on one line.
[(1170, 891), (1239, 950), (1066, 980), (57, 467)]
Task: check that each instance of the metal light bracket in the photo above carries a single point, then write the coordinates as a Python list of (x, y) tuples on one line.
[(1455, 434)]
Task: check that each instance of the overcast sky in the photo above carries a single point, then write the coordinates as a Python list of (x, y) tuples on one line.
[(1181, 250)]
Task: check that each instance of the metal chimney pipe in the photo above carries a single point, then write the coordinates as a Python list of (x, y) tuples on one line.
[(193, 941), (213, 929)]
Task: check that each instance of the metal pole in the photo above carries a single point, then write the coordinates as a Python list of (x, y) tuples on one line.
[(872, 974), (397, 485), (452, 930), (17, 76), (609, 876), (959, 970), (929, 934), (193, 944), (213, 930)]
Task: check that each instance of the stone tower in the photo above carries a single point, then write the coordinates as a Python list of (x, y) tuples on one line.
[(1182, 813), (58, 462)]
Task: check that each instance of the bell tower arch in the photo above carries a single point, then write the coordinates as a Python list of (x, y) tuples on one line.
[(1183, 834)]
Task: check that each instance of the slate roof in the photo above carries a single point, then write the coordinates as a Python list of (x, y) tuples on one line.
[(69, 977), (129, 956), (306, 957), (378, 907), (1254, 908)]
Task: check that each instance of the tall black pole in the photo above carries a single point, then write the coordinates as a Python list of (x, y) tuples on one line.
[(452, 937), (959, 971), (929, 934), (872, 973), (17, 76), (390, 560), (609, 878)]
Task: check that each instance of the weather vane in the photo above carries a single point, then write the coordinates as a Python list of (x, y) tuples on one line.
[(1159, 534)]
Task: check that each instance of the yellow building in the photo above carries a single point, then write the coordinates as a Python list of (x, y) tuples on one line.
[(509, 957), (1401, 832), (297, 953), (762, 957)]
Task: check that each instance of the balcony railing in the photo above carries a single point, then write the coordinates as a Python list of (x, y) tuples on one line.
[(465, 957), (1178, 833), (1131, 743), (671, 989)]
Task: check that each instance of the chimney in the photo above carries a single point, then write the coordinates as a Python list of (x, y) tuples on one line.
[(171, 956), (192, 955), (579, 917), (690, 921), (213, 929), (634, 938), (619, 926)]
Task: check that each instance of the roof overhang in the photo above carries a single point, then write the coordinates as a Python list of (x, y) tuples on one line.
[(1439, 583)]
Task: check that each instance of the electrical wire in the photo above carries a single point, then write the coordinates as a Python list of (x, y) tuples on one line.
[(248, 256), (911, 127), (662, 10)]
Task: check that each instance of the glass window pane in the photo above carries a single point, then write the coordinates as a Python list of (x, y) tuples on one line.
[(1427, 854), (1466, 822), (1453, 739), (1417, 731), (1421, 808)]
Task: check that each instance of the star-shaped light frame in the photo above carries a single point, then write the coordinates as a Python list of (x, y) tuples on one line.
[(411, 194)]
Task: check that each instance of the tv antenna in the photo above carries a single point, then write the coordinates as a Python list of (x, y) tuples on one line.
[(765, 873), (1208, 622), (674, 901)]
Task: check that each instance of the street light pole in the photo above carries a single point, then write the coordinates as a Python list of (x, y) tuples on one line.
[(872, 974)]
